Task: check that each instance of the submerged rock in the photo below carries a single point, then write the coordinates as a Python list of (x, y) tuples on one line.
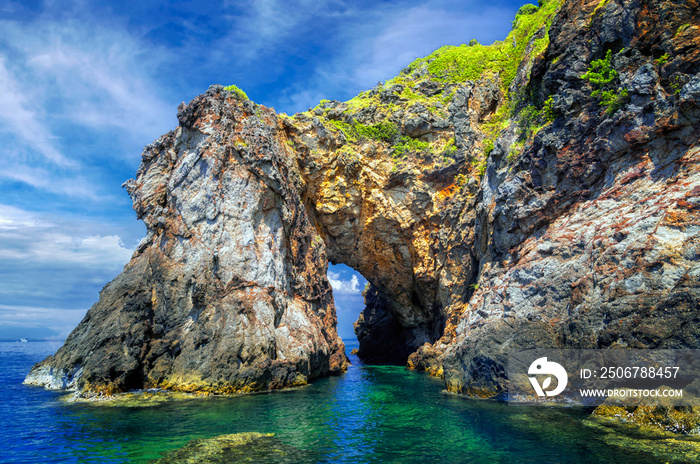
[(655, 413), (236, 448), (664, 446), (133, 399)]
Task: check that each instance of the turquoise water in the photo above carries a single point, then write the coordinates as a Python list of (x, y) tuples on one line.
[(371, 414)]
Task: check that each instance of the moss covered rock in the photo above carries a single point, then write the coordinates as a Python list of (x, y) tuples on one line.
[(235, 448)]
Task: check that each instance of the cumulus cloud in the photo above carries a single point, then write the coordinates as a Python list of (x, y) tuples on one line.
[(51, 269), (28, 236), (344, 287), (347, 292)]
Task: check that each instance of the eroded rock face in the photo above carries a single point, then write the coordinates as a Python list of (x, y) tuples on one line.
[(479, 233), (228, 291), (590, 237)]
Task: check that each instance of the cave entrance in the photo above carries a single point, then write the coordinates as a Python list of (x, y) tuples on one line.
[(366, 321), (348, 286)]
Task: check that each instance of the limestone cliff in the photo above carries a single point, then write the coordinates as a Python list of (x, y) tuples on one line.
[(540, 191)]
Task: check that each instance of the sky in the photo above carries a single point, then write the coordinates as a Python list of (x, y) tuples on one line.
[(85, 85)]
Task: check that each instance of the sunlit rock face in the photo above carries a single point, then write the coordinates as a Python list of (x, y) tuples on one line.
[(589, 237), (491, 210), (228, 291)]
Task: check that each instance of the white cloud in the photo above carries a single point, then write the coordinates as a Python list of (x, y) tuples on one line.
[(22, 120), (344, 287), (51, 269), (262, 24), (73, 95), (45, 323), (28, 236), (24, 315), (12, 218), (100, 76), (70, 183)]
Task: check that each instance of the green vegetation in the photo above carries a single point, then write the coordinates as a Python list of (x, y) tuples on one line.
[(412, 96), (515, 151), (532, 118), (682, 28), (601, 73), (461, 180), (660, 61), (238, 93), (488, 146), (528, 121), (603, 78), (548, 109), (600, 6), (462, 63), (384, 131), (429, 85), (450, 148), (407, 144), (481, 169), (615, 100), (527, 9), (677, 85)]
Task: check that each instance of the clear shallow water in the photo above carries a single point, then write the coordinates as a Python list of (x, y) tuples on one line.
[(371, 414)]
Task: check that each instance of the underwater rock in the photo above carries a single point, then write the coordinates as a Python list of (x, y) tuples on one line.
[(236, 448)]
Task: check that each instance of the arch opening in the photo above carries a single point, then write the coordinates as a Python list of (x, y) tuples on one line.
[(377, 322)]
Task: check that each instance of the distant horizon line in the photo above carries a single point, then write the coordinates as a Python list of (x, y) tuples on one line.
[(19, 340)]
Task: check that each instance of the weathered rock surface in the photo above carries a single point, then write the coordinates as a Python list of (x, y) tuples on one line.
[(228, 291), (236, 448), (492, 210), (590, 237)]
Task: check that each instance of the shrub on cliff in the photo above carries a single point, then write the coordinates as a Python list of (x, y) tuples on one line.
[(239, 94), (603, 77), (527, 9)]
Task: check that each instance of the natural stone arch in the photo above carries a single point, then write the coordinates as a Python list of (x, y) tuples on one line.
[(396, 228)]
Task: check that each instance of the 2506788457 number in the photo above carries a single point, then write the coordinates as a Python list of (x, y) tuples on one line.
[(638, 372)]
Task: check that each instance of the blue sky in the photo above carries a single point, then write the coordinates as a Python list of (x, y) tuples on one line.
[(84, 85)]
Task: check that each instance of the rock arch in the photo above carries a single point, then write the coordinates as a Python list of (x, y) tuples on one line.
[(580, 233)]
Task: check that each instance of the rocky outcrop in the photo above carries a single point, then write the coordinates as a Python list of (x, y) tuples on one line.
[(228, 292), (588, 236), (236, 448), (494, 197), (382, 338)]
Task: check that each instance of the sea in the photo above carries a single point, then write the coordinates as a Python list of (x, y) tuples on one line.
[(371, 414)]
